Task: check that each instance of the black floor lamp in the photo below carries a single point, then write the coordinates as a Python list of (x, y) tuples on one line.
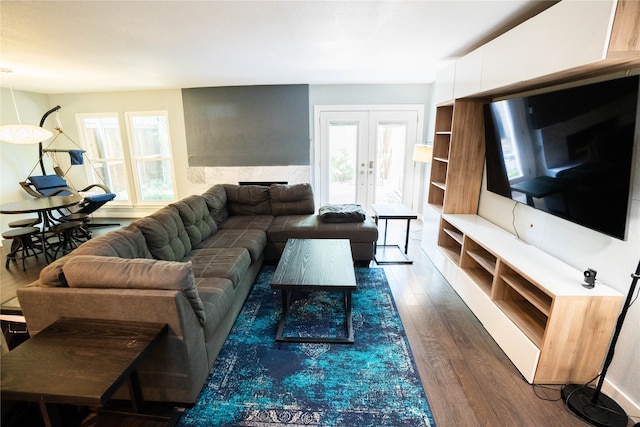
[(590, 404)]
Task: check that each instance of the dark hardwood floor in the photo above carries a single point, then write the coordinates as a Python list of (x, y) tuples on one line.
[(467, 378)]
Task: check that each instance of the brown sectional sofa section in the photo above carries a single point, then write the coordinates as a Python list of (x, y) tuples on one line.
[(191, 265)]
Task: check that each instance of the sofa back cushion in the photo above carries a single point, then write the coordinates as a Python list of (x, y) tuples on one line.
[(90, 271), (295, 199), (248, 199), (165, 234), (127, 242), (196, 218), (216, 198)]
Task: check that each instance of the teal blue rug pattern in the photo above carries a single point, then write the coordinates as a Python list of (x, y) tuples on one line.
[(257, 382)]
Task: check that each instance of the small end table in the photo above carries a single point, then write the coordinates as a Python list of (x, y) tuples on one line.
[(78, 362), (392, 254)]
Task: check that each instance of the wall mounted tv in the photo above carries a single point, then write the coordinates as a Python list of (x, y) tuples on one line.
[(568, 152)]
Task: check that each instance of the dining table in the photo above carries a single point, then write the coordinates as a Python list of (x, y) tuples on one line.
[(44, 207)]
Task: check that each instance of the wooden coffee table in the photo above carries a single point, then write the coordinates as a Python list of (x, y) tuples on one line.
[(78, 362), (315, 265)]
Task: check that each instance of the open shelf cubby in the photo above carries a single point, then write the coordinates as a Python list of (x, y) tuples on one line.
[(478, 263), (523, 302), (450, 240)]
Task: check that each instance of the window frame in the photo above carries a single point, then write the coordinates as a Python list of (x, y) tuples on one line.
[(129, 159)]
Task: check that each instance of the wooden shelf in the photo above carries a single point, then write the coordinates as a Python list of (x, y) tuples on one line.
[(481, 258), (440, 185), (441, 159), (454, 255), (455, 234), (535, 296), (528, 319), (481, 278)]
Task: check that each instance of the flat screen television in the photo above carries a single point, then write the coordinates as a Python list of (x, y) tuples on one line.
[(568, 152)]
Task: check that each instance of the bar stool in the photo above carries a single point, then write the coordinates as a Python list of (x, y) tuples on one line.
[(65, 231), (23, 237), (27, 222), (82, 233)]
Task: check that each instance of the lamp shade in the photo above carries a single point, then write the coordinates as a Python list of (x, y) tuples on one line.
[(422, 153), (23, 134)]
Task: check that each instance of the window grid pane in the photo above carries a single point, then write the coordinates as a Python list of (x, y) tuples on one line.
[(104, 149), (152, 156)]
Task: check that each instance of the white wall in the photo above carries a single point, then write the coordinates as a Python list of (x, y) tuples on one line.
[(371, 95), (16, 161), (189, 180)]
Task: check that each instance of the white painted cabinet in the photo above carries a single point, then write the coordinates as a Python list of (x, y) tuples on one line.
[(444, 84), (567, 35)]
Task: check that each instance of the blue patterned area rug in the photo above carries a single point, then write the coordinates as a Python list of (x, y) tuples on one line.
[(257, 382)]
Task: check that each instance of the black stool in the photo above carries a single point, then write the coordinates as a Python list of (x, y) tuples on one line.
[(65, 231), (27, 222), (82, 233), (24, 244)]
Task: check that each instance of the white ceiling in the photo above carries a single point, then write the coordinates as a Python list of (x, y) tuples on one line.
[(87, 46)]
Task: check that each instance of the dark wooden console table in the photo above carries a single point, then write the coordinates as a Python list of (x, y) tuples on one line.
[(392, 254), (78, 362)]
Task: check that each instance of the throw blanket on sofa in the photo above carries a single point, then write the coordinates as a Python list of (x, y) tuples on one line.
[(342, 213)]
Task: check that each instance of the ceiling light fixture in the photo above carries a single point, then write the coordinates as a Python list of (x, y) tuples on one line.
[(21, 134)]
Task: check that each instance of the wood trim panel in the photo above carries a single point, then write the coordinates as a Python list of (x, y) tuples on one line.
[(625, 34), (466, 158)]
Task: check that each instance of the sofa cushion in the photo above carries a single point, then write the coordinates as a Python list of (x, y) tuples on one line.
[(127, 242), (90, 271), (228, 263), (216, 198), (248, 199), (196, 217), (295, 199), (165, 234), (247, 222), (252, 240), (311, 227), (217, 296)]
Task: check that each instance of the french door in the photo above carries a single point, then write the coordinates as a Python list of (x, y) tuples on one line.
[(364, 155)]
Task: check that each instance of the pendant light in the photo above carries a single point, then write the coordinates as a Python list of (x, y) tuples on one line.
[(19, 133)]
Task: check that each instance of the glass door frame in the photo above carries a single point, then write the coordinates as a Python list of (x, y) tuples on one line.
[(319, 153)]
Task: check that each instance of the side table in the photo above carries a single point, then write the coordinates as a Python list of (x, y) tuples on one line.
[(78, 362), (392, 254)]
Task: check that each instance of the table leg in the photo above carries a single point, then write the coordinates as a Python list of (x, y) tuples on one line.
[(286, 298), (406, 240), (386, 226), (348, 320), (50, 414), (135, 391)]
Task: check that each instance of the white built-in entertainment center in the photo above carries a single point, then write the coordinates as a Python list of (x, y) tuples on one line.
[(553, 329)]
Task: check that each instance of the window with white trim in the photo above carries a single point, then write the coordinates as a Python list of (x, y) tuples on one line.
[(139, 167)]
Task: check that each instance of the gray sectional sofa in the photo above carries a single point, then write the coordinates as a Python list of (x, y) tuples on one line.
[(191, 265)]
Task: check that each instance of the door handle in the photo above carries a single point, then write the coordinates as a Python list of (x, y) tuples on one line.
[(371, 164)]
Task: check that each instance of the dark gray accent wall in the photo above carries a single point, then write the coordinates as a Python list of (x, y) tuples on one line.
[(247, 125)]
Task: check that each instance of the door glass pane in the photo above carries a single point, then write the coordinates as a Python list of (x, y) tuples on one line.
[(390, 148), (342, 145)]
